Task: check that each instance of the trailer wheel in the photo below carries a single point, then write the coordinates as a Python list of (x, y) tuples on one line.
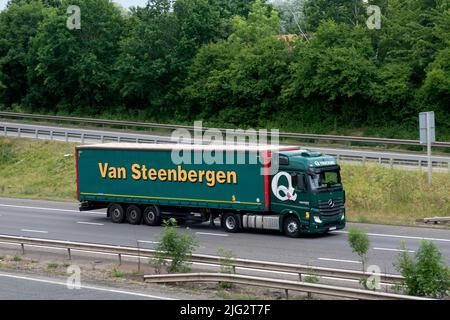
[(116, 212), (231, 222), (152, 216), (134, 214), (292, 227)]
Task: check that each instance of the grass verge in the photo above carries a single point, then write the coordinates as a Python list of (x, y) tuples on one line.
[(375, 194)]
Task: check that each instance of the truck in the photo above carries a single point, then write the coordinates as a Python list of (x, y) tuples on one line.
[(287, 188)]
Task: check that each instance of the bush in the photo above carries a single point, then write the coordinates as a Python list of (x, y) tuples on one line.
[(175, 247), (425, 273), (359, 242), (226, 265), (116, 273)]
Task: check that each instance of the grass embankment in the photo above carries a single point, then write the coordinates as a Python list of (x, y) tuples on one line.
[(376, 194), (37, 169)]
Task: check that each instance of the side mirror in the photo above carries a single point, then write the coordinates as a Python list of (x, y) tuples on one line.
[(301, 185)]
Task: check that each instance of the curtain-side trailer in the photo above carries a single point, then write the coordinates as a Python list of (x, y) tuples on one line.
[(262, 187)]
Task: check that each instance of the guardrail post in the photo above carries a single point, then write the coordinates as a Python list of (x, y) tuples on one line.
[(300, 277), (18, 132), (286, 291), (23, 248), (391, 163), (448, 166), (37, 134), (6, 131), (66, 136), (309, 295), (82, 138), (70, 255), (120, 259), (102, 139), (51, 134), (379, 160), (364, 160)]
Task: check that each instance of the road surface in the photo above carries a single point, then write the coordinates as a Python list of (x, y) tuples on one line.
[(62, 221)]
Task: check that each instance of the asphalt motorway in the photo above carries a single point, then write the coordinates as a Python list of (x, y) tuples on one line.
[(63, 221), (19, 286)]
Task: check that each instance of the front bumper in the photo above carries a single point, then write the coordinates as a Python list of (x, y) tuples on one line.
[(323, 227)]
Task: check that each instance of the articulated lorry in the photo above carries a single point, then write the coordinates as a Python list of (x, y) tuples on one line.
[(288, 189)]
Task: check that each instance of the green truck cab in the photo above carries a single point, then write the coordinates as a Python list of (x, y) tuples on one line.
[(316, 203), (294, 191)]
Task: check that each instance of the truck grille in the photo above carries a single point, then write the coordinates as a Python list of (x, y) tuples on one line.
[(330, 211)]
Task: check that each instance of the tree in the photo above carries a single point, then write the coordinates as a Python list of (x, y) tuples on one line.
[(333, 73), (73, 69), (162, 42), (18, 24), (359, 242), (237, 81)]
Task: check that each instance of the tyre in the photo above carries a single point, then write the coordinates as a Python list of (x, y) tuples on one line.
[(116, 213), (231, 222), (152, 216), (292, 227), (134, 214)]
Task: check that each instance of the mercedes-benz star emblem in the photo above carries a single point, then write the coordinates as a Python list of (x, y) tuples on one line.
[(331, 203)]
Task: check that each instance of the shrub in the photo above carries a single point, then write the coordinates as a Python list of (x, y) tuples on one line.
[(116, 273), (174, 246), (425, 273), (359, 242), (226, 265)]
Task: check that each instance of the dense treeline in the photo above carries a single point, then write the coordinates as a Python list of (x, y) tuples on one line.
[(225, 61)]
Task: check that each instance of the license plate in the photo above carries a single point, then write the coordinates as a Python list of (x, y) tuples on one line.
[(332, 228)]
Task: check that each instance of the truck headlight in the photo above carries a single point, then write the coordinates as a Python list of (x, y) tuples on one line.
[(317, 219), (343, 216)]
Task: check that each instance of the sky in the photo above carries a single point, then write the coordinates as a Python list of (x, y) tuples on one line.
[(124, 3)]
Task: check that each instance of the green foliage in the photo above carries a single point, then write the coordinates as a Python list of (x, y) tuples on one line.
[(223, 61), (52, 266), (226, 258), (425, 273), (359, 242), (174, 246), (116, 273), (311, 276)]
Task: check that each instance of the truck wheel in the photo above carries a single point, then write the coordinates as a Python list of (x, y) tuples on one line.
[(116, 212), (152, 216), (134, 214), (231, 222), (292, 227)]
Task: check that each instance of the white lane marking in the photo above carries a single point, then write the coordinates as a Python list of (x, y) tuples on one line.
[(36, 231), (396, 236), (147, 241), (212, 234), (339, 260), (91, 223), (85, 287), (49, 209), (392, 249)]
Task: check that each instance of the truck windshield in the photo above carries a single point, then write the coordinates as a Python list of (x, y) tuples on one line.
[(325, 180)]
